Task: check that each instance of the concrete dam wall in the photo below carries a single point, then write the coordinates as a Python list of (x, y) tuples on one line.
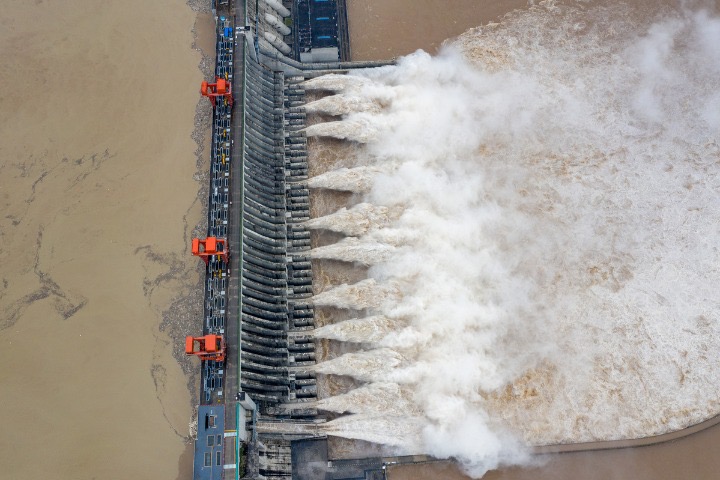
[(276, 273), (262, 392)]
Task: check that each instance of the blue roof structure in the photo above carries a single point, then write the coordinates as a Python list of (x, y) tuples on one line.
[(208, 463), (317, 24)]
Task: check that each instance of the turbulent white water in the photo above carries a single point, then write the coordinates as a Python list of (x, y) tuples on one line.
[(559, 175)]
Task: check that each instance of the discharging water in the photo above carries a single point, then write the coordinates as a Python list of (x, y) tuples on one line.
[(554, 257)]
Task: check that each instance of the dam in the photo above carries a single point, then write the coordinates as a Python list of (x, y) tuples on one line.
[(258, 393), (284, 221)]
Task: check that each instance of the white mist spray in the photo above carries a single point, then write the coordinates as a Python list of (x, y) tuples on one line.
[(358, 220), (361, 330), (358, 179), (560, 210), (359, 296), (351, 249), (342, 105)]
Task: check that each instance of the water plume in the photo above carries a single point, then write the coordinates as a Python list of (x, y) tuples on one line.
[(334, 82), (558, 176), (354, 221), (355, 250), (342, 105), (357, 130), (358, 179), (406, 430), (373, 398), (358, 296), (368, 366), (361, 330)]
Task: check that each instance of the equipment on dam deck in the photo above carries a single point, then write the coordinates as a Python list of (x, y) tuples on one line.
[(209, 247), (209, 347), (221, 88)]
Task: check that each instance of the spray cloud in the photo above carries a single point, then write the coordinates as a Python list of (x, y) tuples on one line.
[(562, 171)]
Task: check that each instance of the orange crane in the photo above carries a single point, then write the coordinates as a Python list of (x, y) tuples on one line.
[(209, 247), (209, 347), (221, 88)]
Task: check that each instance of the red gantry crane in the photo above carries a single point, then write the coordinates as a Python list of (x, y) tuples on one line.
[(221, 88), (209, 347), (209, 247)]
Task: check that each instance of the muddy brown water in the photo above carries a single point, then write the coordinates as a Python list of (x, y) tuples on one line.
[(384, 29), (97, 201), (696, 457)]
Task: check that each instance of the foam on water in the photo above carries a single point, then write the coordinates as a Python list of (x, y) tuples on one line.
[(559, 177)]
